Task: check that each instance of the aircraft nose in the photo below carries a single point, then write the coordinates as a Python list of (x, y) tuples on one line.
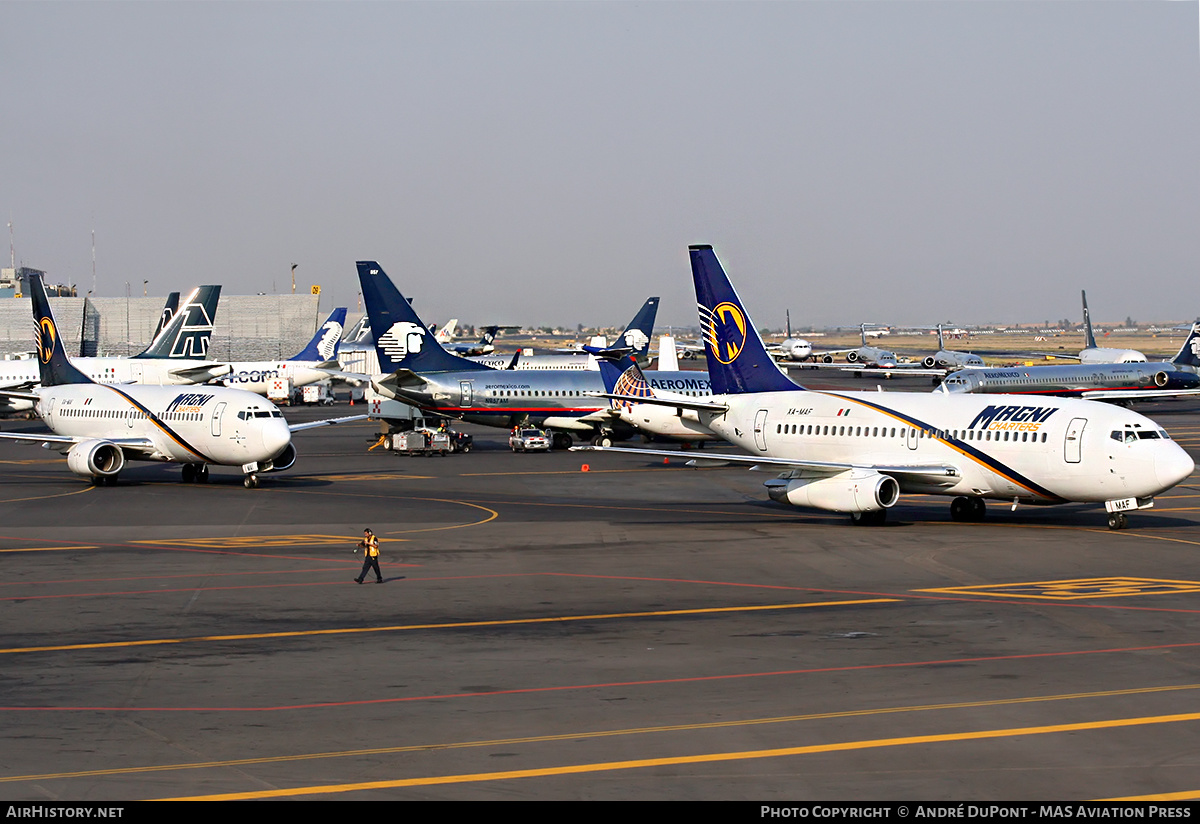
[(1173, 466), (275, 436)]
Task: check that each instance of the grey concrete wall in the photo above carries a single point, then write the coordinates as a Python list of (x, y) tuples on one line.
[(248, 327)]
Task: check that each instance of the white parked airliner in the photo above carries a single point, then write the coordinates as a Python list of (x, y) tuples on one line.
[(856, 452), (100, 426)]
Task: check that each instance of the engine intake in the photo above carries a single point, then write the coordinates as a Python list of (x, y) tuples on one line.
[(284, 460), (96, 459), (853, 491)]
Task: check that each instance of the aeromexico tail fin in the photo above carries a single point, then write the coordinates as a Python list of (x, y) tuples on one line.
[(402, 341), (639, 331), (168, 311), (622, 376), (1189, 353), (737, 360), (187, 335), (324, 345), (1090, 339), (56, 369)]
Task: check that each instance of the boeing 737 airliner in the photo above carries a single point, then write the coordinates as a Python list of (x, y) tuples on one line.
[(856, 452), (100, 427)]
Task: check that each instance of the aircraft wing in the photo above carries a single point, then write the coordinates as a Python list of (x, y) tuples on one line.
[(199, 372), (678, 403), (944, 473), (1055, 356), (300, 427), (65, 442), (352, 378), (1135, 394), (900, 369), (20, 396)]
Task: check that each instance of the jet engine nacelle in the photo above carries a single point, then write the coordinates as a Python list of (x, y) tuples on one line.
[(852, 356), (1161, 379), (929, 362), (284, 460), (96, 459), (848, 492)]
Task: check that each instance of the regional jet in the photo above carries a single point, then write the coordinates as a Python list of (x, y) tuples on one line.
[(101, 427), (856, 452)]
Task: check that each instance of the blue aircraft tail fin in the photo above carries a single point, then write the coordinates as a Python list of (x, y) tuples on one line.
[(55, 367), (1189, 353), (1089, 338), (737, 360), (402, 341), (324, 345), (189, 332), (640, 330)]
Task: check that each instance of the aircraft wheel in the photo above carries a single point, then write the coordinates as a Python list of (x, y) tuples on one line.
[(202, 473), (1118, 520), (978, 509), (876, 518), (960, 509), (189, 473), (562, 440), (603, 439), (250, 481)]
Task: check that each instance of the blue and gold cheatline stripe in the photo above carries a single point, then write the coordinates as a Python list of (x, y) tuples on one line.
[(982, 458), (166, 430)]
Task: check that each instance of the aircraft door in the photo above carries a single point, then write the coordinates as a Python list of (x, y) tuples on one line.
[(135, 370), (216, 419), (1073, 442), (760, 430), (465, 391), (911, 437)]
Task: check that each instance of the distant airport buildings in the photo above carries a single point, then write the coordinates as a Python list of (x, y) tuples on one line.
[(248, 327)]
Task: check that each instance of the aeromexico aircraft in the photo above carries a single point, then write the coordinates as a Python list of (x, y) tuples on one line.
[(635, 339), (175, 356), (856, 452), (102, 426), (316, 362), (418, 371)]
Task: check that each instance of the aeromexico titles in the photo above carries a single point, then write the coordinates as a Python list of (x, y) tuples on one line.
[(101, 427), (418, 371), (856, 452)]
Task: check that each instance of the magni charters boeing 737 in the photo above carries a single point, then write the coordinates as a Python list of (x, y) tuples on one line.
[(856, 452), (418, 371), (100, 427)]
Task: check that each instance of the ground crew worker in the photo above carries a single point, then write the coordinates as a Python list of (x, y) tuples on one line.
[(370, 547)]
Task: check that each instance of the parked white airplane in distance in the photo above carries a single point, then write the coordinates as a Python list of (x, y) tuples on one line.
[(635, 339), (949, 359), (101, 427), (315, 362), (792, 349), (1091, 353), (445, 334), (856, 452)]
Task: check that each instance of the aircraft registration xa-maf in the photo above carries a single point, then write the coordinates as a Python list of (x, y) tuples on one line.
[(856, 452), (100, 427)]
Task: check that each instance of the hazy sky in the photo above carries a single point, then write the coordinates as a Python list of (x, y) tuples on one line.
[(550, 162)]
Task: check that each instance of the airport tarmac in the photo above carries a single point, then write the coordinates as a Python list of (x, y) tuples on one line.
[(638, 631)]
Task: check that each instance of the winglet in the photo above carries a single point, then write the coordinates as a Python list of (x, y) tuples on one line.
[(737, 360)]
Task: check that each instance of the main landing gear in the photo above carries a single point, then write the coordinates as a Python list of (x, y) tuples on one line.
[(963, 508), (195, 473)]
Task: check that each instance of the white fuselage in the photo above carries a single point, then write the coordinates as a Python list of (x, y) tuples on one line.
[(256, 376), (1101, 355), (156, 371), (211, 425), (1035, 450)]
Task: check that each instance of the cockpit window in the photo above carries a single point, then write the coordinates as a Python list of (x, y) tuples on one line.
[(1148, 436)]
